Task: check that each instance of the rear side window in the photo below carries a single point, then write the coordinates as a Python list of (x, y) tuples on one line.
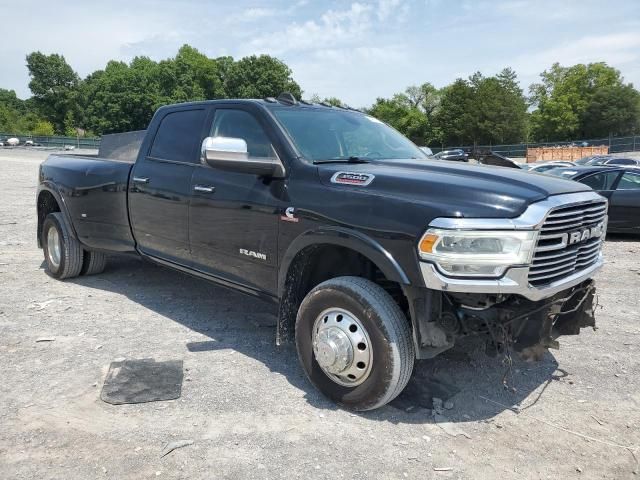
[(600, 181), (178, 136), (629, 181)]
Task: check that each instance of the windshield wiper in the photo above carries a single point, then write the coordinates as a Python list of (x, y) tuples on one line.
[(352, 159)]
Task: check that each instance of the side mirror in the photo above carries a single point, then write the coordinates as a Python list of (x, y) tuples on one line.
[(228, 153)]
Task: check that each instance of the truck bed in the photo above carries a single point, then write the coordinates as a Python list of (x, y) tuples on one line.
[(94, 190)]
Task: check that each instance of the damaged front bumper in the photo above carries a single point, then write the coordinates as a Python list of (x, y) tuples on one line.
[(515, 322)]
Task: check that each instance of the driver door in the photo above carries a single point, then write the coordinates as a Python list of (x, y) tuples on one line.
[(233, 217)]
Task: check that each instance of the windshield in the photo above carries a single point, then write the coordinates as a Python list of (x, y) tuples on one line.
[(334, 135)]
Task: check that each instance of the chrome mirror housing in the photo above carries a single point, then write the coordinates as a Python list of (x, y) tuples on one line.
[(224, 148), (232, 154)]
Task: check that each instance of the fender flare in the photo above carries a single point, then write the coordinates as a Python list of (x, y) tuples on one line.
[(52, 188), (347, 238)]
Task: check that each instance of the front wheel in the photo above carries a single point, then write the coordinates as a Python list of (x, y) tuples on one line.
[(354, 343)]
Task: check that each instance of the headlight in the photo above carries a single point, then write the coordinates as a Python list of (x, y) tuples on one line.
[(476, 253)]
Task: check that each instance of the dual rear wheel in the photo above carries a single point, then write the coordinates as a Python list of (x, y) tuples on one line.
[(63, 254)]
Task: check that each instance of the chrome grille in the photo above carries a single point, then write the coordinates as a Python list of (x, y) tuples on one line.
[(554, 258)]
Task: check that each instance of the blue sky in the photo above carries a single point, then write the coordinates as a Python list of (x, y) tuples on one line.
[(356, 51)]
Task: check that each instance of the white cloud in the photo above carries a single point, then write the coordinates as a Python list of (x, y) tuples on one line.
[(387, 7), (621, 50), (335, 27), (354, 49)]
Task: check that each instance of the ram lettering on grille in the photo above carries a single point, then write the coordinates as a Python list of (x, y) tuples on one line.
[(570, 241)]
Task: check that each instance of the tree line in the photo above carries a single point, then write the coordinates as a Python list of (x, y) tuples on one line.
[(575, 102)]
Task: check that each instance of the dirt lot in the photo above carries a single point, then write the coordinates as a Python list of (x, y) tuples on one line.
[(246, 404)]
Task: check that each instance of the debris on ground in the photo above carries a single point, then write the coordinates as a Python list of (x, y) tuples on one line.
[(449, 427), (45, 339), (170, 447)]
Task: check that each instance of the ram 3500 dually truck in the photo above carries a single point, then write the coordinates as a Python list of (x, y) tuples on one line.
[(375, 254)]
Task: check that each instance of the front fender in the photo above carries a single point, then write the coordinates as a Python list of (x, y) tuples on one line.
[(347, 238)]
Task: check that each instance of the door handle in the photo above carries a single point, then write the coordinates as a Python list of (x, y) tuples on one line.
[(140, 180), (204, 189)]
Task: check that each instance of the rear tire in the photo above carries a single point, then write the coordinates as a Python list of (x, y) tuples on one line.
[(63, 254), (325, 319), (93, 263)]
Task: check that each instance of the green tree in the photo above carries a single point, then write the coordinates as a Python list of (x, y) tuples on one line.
[(411, 112), (483, 110), (123, 97), (613, 110), (54, 85), (336, 102), (398, 113), (500, 108), (568, 102), (456, 117), (259, 77), (16, 115), (43, 127), (207, 73)]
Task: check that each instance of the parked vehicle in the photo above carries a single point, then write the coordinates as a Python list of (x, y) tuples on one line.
[(375, 254), (455, 155), (12, 142), (539, 167), (493, 158), (607, 160), (427, 151), (620, 185), (617, 161)]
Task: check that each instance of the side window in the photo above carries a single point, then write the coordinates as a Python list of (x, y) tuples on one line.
[(178, 136), (241, 124), (621, 161), (600, 181), (629, 181)]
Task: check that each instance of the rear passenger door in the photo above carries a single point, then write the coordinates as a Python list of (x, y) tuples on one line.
[(160, 186), (624, 203)]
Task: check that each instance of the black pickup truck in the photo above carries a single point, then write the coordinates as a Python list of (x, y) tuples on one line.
[(375, 254)]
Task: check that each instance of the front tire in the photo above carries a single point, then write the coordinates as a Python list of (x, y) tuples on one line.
[(63, 254), (354, 343)]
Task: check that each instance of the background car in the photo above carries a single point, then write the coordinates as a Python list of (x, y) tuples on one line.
[(540, 167), (607, 160), (455, 155), (427, 151), (621, 185)]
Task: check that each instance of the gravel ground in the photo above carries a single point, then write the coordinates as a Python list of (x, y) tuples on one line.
[(246, 404)]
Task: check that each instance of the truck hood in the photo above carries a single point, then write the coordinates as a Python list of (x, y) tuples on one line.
[(456, 190)]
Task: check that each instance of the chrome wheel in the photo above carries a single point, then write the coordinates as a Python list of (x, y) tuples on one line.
[(53, 247), (342, 347)]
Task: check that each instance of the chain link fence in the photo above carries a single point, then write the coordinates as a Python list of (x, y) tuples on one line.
[(54, 141), (615, 144)]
